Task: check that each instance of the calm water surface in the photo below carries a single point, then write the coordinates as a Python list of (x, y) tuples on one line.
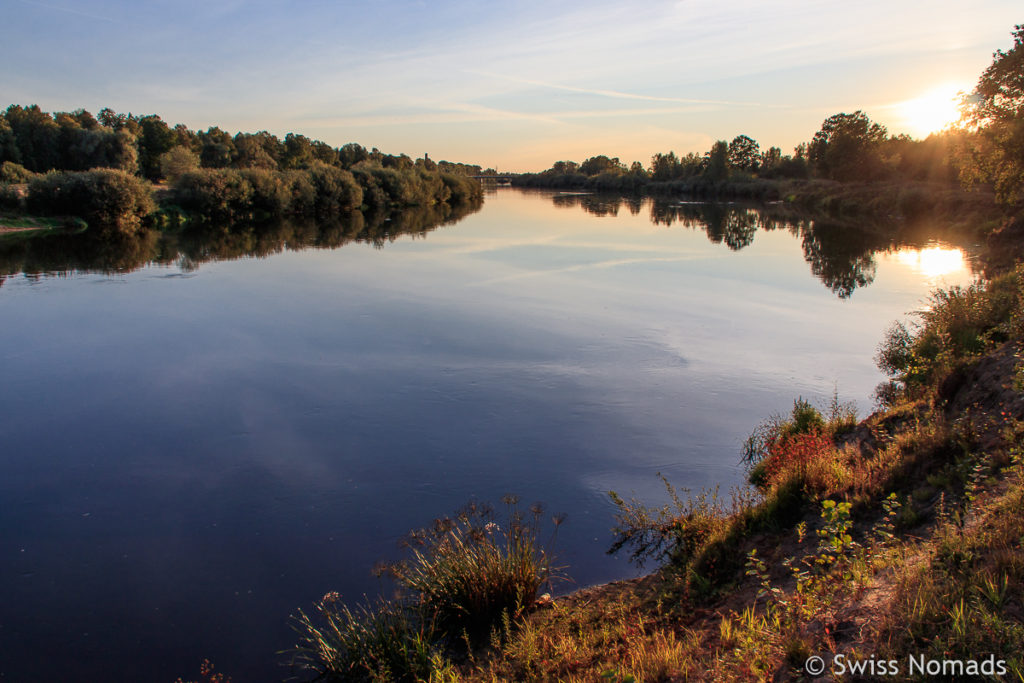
[(194, 449)]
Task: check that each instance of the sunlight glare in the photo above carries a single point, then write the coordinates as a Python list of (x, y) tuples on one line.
[(932, 111), (932, 261)]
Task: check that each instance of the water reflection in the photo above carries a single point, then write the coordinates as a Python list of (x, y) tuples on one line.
[(65, 253), (932, 261), (840, 254)]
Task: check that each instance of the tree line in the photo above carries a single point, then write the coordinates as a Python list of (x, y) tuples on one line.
[(101, 168), (986, 147)]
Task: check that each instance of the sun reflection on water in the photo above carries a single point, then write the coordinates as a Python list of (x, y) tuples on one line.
[(933, 261)]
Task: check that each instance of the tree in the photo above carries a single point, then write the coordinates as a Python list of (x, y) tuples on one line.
[(255, 150), (744, 153), (565, 168), (994, 117), (847, 147), (664, 166), (351, 154), (155, 139), (717, 161), (217, 149), (771, 158), (600, 164), (177, 161)]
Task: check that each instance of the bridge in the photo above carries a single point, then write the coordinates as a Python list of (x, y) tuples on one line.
[(501, 177)]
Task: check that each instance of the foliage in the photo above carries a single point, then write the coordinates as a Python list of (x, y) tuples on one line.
[(384, 642), (957, 323), (108, 199), (11, 172), (466, 572), (744, 153), (677, 530), (994, 113), (467, 581), (178, 161), (10, 198), (847, 147)]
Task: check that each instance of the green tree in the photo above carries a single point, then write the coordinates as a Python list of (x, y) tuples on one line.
[(37, 137), (351, 154), (257, 150), (155, 138), (847, 147), (994, 115), (216, 148), (178, 161)]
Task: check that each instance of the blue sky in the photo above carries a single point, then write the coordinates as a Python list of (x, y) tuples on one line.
[(516, 85)]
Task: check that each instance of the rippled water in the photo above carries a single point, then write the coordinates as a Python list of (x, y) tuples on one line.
[(196, 442)]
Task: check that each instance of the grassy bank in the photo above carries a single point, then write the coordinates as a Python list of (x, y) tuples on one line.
[(889, 547)]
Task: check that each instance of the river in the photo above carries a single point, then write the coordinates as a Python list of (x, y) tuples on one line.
[(202, 435)]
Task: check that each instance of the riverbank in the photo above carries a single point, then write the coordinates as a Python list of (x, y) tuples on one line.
[(895, 544), (889, 542)]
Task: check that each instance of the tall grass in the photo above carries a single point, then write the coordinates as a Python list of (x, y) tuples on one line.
[(468, 571), (467, 578), (384, 642)]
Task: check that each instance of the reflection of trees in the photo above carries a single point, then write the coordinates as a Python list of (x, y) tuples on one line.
[(842, 258), (65, 253), (61, 254), (735, 226), (598, 205)]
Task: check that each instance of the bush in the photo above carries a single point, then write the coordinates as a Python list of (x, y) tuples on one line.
[(336, 190), (271, 194), (958, 323), (467, 579), (10, 198), (468, 571), (11, 172), (215, 194), (108, 199)]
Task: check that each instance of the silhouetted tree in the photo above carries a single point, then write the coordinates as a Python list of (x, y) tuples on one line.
[(744, 153), (994, 113), (717, 161), (847, 147)]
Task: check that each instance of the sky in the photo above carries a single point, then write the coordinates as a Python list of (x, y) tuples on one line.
[(513, 85)]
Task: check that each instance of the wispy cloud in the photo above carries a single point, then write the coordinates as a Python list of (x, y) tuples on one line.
[(613, 93), (67, 10)]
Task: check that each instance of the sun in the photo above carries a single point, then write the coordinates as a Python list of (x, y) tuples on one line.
[(933, 111)]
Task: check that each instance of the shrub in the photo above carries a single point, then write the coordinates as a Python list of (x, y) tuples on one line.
[(467, 579), (108, 199), (468, 571), (10, 198), (336, 190), (958, 323), (11, 172), (216, 194), (270, 191), (177, 161)]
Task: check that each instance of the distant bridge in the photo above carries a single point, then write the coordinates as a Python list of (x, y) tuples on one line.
[(505, 178)]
